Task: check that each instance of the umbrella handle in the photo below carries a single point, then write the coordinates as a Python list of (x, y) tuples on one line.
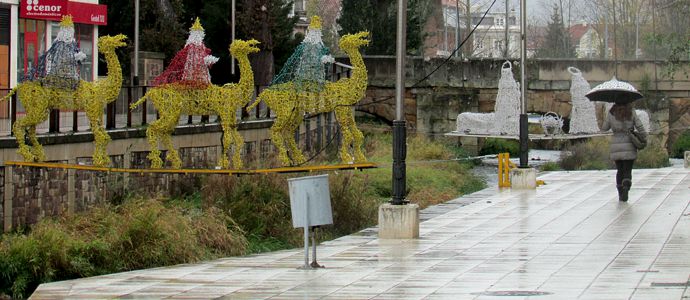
[(574, 71), (510, 66)]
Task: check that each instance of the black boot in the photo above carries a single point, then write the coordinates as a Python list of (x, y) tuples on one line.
[(627, 183), (622, 193)]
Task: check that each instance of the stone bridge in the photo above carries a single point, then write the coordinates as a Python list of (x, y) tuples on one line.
[(432, 103)]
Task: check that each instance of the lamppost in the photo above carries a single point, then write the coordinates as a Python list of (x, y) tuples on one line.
[(232, 35), (399, 219), (524, 140), (457, 27), (399, 124), (135, 78)]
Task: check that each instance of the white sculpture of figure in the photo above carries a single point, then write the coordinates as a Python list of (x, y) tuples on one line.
[(507, 107), (505, 120), (583, 117)]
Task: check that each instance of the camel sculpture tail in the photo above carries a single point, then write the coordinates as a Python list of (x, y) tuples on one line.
[(258, 100), (9, 95), (139, 102)]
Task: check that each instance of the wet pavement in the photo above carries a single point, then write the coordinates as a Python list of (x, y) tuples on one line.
[(569, 239)]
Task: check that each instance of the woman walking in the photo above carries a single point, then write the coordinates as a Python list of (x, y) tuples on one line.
[(621, 119)]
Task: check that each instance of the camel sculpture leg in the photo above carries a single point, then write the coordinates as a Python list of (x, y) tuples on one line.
[(239, 142), (154, 155), (230, 137), (277, 138), (36, 148), (342, 118), (289, 136), (283, 136), (101, 138), (172, 156), (19, 130), (351, 134), (162, 129)]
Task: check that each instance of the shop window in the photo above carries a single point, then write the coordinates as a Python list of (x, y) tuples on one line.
[(4, 65), (32, 44)]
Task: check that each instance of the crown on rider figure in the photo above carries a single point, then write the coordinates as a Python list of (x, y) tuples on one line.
[(315, 22), (197, 26), (66, 21)]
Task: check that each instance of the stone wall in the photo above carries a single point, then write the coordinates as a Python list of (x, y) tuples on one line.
[(92, 188), (38, 193)]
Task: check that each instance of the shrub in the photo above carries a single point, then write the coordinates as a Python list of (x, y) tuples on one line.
[(260, 205), (652, 156), (681, 145), (496, 146), (592, 154), (137, 234), (550, 166)]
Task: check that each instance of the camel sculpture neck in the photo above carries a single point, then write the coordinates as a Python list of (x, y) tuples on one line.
[(114, 79), (246, 74), (360, 69)]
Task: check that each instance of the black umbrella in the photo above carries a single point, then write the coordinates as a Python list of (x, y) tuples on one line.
[(614, 91)]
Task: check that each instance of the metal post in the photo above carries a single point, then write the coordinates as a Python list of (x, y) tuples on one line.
[(457, 28), (505, 24), (232, 36), (306, 233), (135, 78), (399, 126), (54, 121), (524, 139), (615, 40)]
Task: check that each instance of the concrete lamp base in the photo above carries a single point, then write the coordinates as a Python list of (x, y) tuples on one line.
[(523, 178), (398, 221)]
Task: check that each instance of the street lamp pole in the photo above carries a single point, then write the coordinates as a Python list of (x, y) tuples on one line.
[(505, 24), (457, 27), (399, 126), (232, 35), (135, 78), (524, 140)]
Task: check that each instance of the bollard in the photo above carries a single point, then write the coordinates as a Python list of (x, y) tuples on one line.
[(504, 166), (687, 159)]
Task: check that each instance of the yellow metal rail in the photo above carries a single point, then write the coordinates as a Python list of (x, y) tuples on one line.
[(303, 169), (504, 166)]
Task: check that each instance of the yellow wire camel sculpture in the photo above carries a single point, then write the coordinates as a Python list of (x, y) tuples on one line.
[(290, 105), (92, 97), (174, 99)]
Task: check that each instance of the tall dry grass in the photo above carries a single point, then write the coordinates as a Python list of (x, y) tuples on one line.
[(137, 234)]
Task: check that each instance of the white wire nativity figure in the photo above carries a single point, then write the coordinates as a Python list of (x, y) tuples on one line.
[(583, 119), (505, 119)]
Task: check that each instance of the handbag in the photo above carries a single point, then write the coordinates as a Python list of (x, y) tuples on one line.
[(638, 139)]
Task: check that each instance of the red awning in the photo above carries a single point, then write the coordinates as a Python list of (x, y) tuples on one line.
[(86, 13), (83, 13)]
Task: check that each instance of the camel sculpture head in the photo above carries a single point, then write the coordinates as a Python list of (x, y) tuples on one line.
[(110, 43), (239, 48), (354, 41)]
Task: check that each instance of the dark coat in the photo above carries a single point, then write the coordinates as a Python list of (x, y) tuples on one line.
[(621, 147)]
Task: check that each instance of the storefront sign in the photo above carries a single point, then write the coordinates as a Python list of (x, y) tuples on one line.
[(83, 13), (86, 13), (43, 9)]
